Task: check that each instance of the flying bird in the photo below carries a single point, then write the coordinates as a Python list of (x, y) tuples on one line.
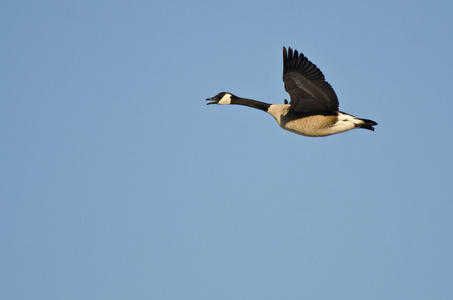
[(313, 110)]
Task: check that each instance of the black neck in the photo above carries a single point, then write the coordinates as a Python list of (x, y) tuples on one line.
[(251, 103)]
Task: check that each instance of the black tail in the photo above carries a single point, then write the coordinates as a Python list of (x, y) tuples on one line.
[(368, 124)]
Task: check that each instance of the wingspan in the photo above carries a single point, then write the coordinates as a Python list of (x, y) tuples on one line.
[(306, 85)]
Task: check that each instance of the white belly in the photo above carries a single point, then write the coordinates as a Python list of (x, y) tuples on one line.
[(312, 125)]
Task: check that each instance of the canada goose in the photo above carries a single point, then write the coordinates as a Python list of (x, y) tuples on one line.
[(313, 110)]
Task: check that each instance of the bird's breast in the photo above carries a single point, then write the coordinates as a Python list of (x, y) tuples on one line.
[(307, 124)]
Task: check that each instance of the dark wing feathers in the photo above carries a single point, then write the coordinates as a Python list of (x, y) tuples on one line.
[(306, 85)]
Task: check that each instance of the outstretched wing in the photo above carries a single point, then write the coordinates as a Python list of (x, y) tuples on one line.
[(306, 85)]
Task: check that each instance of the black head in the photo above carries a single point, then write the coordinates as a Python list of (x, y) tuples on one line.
[(221, 98)]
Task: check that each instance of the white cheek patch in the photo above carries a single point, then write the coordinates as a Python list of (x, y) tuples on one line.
[(226, 99)]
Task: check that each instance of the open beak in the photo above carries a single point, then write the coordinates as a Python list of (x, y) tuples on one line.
[(214, 101)]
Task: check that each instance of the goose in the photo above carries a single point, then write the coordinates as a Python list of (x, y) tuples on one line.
[(313, 110)]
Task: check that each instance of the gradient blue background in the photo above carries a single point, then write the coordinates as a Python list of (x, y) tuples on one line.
[(118, 182)]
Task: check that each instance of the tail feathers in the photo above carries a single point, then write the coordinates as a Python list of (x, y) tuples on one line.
[(367, 124)]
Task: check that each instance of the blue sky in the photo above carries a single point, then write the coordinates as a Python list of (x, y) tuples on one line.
[(118, 182)]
